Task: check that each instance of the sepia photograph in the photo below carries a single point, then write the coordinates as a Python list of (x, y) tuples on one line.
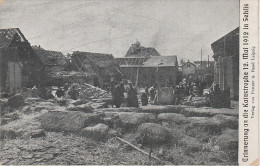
[(119, 82)]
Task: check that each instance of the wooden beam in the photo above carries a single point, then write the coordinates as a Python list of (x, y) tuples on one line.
[(138, 149)]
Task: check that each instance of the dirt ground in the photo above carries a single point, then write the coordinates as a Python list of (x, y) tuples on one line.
[(46, 132)]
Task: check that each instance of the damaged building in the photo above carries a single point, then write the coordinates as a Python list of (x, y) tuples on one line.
[(137, 50), (98, 68), (55, 66), (144, 66), (226, 58), (19, 66)]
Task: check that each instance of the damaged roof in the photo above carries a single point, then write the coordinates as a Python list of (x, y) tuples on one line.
[(136, 50), (131, 61), (95, 63), (162, 61), (51, 58), (9, 35)]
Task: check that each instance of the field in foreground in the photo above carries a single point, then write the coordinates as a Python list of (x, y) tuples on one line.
[(46, 132)]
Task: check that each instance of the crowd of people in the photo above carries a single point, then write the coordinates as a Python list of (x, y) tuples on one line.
[(117, 91), (124, 93)]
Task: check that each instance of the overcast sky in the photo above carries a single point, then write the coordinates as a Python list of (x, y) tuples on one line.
[(173, 27)]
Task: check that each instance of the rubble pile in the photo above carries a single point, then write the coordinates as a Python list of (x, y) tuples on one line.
[(91, 92)]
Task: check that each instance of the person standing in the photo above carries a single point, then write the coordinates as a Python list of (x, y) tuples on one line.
[(74, 94), (118, 95), (112, 88), (152, 92), (66, 87), (59, 93), (132, 100), (144, 99)]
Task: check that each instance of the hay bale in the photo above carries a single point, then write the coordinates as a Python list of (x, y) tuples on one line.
[(212, 125), (228, 121), (208, 111), (16, 101), (97, 132), (19, 128), (173, 117), (99, 105), (228, 140), (34, 134), (121, 109), (37, 133), (61, 101), (191, 143), (152, 134), (68, 121), (83, 108), (131, 120), (157, 109), (33, 100), (77, 102), (9, 117)]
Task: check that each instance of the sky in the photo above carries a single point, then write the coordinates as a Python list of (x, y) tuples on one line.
[(172, 27)]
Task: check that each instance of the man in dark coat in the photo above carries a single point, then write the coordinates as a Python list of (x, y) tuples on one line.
[(118, 93), (112, 88), (144, 99), (132, 100), (215, 97), (74, 94), (60, 92)]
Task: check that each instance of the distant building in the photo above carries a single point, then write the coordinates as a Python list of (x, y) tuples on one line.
[(132, 65), (156, 70), (188, 68), (226, 58), (98, 68), (19, 66), (204, 67), (159, 70), (144, 66)]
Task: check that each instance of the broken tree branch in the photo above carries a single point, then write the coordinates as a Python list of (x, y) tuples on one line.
[(138, 149)]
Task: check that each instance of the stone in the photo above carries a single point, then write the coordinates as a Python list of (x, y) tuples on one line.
[(97, 132)]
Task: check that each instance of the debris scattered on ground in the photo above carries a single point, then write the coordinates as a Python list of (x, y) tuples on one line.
[(66, 131), (90, 92), (16, 101)]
